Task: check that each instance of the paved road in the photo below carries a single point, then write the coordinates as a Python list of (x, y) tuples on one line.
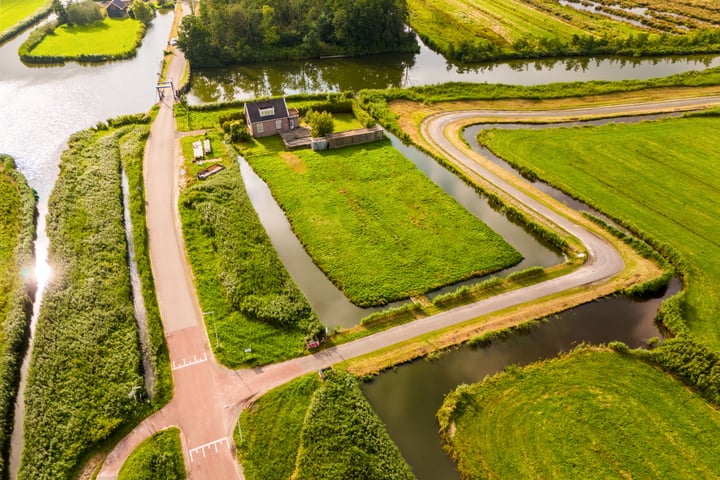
[(208, 398)]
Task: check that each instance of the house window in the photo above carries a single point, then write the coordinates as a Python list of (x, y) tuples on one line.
[(260, 127), (278, 124), (266, 112)]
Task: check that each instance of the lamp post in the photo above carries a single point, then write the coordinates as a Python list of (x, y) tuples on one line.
[(217, 339)]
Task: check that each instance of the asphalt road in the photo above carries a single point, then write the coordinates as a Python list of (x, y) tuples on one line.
[(208, 398)]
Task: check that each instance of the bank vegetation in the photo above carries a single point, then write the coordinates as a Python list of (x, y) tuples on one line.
[(17, 289), (317, 429), (85, 384)]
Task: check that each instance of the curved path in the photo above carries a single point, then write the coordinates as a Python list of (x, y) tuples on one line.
[(208, 397)]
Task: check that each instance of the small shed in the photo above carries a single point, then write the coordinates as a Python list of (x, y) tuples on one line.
[(198, 150), (117, 9), (270, 117)]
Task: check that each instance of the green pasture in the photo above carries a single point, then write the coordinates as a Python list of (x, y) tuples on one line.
[(109, 37), (159, 457), (13, 11), (659, 178), (312, 429), (453, 23), (591, 414), (376, 225)]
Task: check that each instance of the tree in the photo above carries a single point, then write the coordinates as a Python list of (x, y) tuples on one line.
[(142, 11), (84, 13), (60, 12), (321, 123)]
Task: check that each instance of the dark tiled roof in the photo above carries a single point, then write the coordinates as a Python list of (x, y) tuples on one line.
[(253, 109)]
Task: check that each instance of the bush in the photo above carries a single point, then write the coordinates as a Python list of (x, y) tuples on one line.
[(321, 123), (84, 13)]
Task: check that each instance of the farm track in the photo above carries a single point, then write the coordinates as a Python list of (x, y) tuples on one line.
[(208, 397)]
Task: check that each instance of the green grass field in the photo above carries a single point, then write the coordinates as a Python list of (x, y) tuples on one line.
[(376, 225), (13, 11), (661, 178), (111, 37), (591, 414), (157, 458), (308, 429), (477, 30)]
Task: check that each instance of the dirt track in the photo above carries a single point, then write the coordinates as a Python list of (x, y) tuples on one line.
[(208, 398)]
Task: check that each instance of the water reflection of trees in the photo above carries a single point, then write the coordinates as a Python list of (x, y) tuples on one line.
[(282, 78)]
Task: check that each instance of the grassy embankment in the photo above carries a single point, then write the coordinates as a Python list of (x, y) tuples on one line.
[(377, 226), (238, 274), (658, 178), (17, 285), (16, 15), (591, 414), (159, 457), (495, 29), (111, 39), (86, 356), (317, 430)]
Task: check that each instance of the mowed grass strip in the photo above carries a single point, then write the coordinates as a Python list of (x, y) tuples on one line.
[(376, 225), (13, 11), (591, 414), (109, 37), (661, 178)]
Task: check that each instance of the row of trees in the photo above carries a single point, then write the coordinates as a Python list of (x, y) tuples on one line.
[(87, 12), (235, 31)]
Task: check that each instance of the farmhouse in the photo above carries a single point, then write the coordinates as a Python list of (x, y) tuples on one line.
[(270, 117), (117, 8)]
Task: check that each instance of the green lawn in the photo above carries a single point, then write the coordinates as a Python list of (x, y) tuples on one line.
[(376, 225), (110, 37), (157, 458), (589, 415), (13, 11), (662, 178)]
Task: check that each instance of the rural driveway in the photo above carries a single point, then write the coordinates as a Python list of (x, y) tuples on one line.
[(208, 398)]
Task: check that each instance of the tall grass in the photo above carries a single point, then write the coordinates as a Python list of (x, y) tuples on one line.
[(239, 275), (157, 458), (17, 287), (86, 357)]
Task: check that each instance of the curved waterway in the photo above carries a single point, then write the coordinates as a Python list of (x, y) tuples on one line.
[(408, 397), (424, 68)]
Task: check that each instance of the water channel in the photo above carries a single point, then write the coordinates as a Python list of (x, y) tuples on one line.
[(40, 107), (425, 68)]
